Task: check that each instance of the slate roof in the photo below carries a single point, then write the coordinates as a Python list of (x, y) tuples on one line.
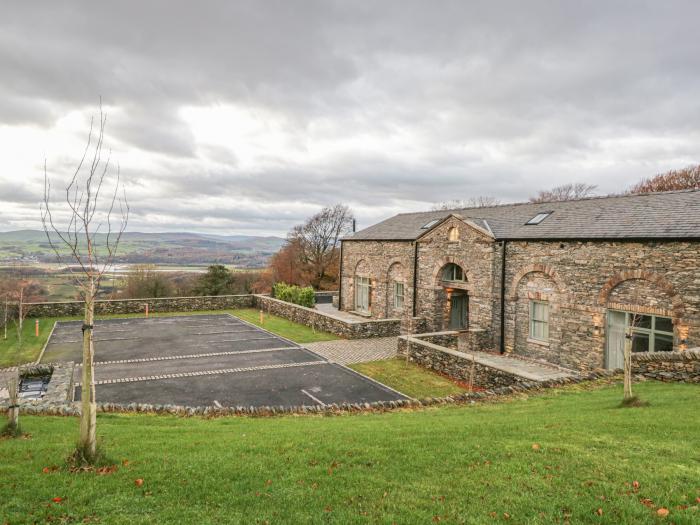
[(666, 215)]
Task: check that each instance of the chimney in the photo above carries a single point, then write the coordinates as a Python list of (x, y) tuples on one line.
[(354, 225)]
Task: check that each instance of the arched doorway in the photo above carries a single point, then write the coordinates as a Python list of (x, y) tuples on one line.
[(455, 297)]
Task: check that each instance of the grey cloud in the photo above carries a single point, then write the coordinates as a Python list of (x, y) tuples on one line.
[(499, 98)]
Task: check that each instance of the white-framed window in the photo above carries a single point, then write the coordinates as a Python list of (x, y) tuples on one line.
[(398, 295), (650, 333), (539, 320), (362, 294), (452, 272)]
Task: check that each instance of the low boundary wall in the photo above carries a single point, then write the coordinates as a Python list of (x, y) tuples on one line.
[(433, 351), (328, 323), (136, 306), (668, 366)]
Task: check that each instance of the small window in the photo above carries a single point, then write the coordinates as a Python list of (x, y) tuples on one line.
[(398, 296), (362, 294), (539, 217), (430, 224), (539, 320), (453, 234), (452, 272)]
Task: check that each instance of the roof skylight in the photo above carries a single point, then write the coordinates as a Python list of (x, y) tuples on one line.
[(539, 218), (430, 224)]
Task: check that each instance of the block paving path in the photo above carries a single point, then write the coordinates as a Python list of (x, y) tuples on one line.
[(349, 351)]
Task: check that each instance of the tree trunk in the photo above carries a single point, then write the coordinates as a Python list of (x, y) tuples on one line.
[(13, 412), (88, 419), (627, 355)]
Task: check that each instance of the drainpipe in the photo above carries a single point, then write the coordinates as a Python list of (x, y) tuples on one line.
[(340, 277), (415, 276), (503, 297)]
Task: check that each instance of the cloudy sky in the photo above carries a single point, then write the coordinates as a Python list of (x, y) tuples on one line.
[(245, 117)]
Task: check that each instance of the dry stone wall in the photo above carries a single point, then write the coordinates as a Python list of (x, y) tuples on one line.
[(453, 363), (135, 306), (328, 323), (668, 366)]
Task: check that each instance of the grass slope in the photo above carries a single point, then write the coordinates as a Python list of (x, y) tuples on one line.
[(409, 378), (32, 345), (472, 464)]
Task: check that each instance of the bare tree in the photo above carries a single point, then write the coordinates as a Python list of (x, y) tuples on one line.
[(565, 192), (684, 179), (12, 427), (86, 212), (318, 239), (482, 201)]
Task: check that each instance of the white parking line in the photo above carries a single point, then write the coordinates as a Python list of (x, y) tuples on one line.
[(206, 373), (191, 356), (314, 398)]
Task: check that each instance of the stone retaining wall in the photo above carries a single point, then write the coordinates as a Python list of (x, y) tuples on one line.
[(135, 306), (452, 363), (321, 321), (73, 409), (668, 366)]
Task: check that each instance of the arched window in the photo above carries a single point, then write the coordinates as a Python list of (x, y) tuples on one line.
[(452, 272), (453, 234)]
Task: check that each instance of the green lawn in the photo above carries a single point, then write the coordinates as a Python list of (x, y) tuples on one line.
[(32, 345), (296, 332), (408, 378), (554, 458)]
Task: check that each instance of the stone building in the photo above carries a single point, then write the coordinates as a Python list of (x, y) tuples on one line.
[(557, 281)]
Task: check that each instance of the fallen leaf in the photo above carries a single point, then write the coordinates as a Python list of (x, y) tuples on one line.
[(506, 516), (663, 512), (635, 484), (103, 471), (535, 446), (57, 500), (599, 512), (647, 502), (138, 482)]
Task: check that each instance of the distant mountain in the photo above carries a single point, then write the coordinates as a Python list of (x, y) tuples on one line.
[(245, 251)]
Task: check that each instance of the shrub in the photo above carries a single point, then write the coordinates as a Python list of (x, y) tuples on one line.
[(294, 294)]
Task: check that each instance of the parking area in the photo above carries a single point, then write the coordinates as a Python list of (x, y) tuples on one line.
[(208, 360)]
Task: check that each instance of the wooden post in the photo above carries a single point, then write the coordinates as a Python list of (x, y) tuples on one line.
[(36, 328), (262, 318), (146, 309)]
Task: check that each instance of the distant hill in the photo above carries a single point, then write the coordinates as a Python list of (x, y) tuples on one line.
[(244, 251)]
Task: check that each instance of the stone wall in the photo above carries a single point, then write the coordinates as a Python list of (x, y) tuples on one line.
[(580, 281), (453, 363), (383, 263), (471, 249), (135, 306), (668, 366), (328, 323)]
